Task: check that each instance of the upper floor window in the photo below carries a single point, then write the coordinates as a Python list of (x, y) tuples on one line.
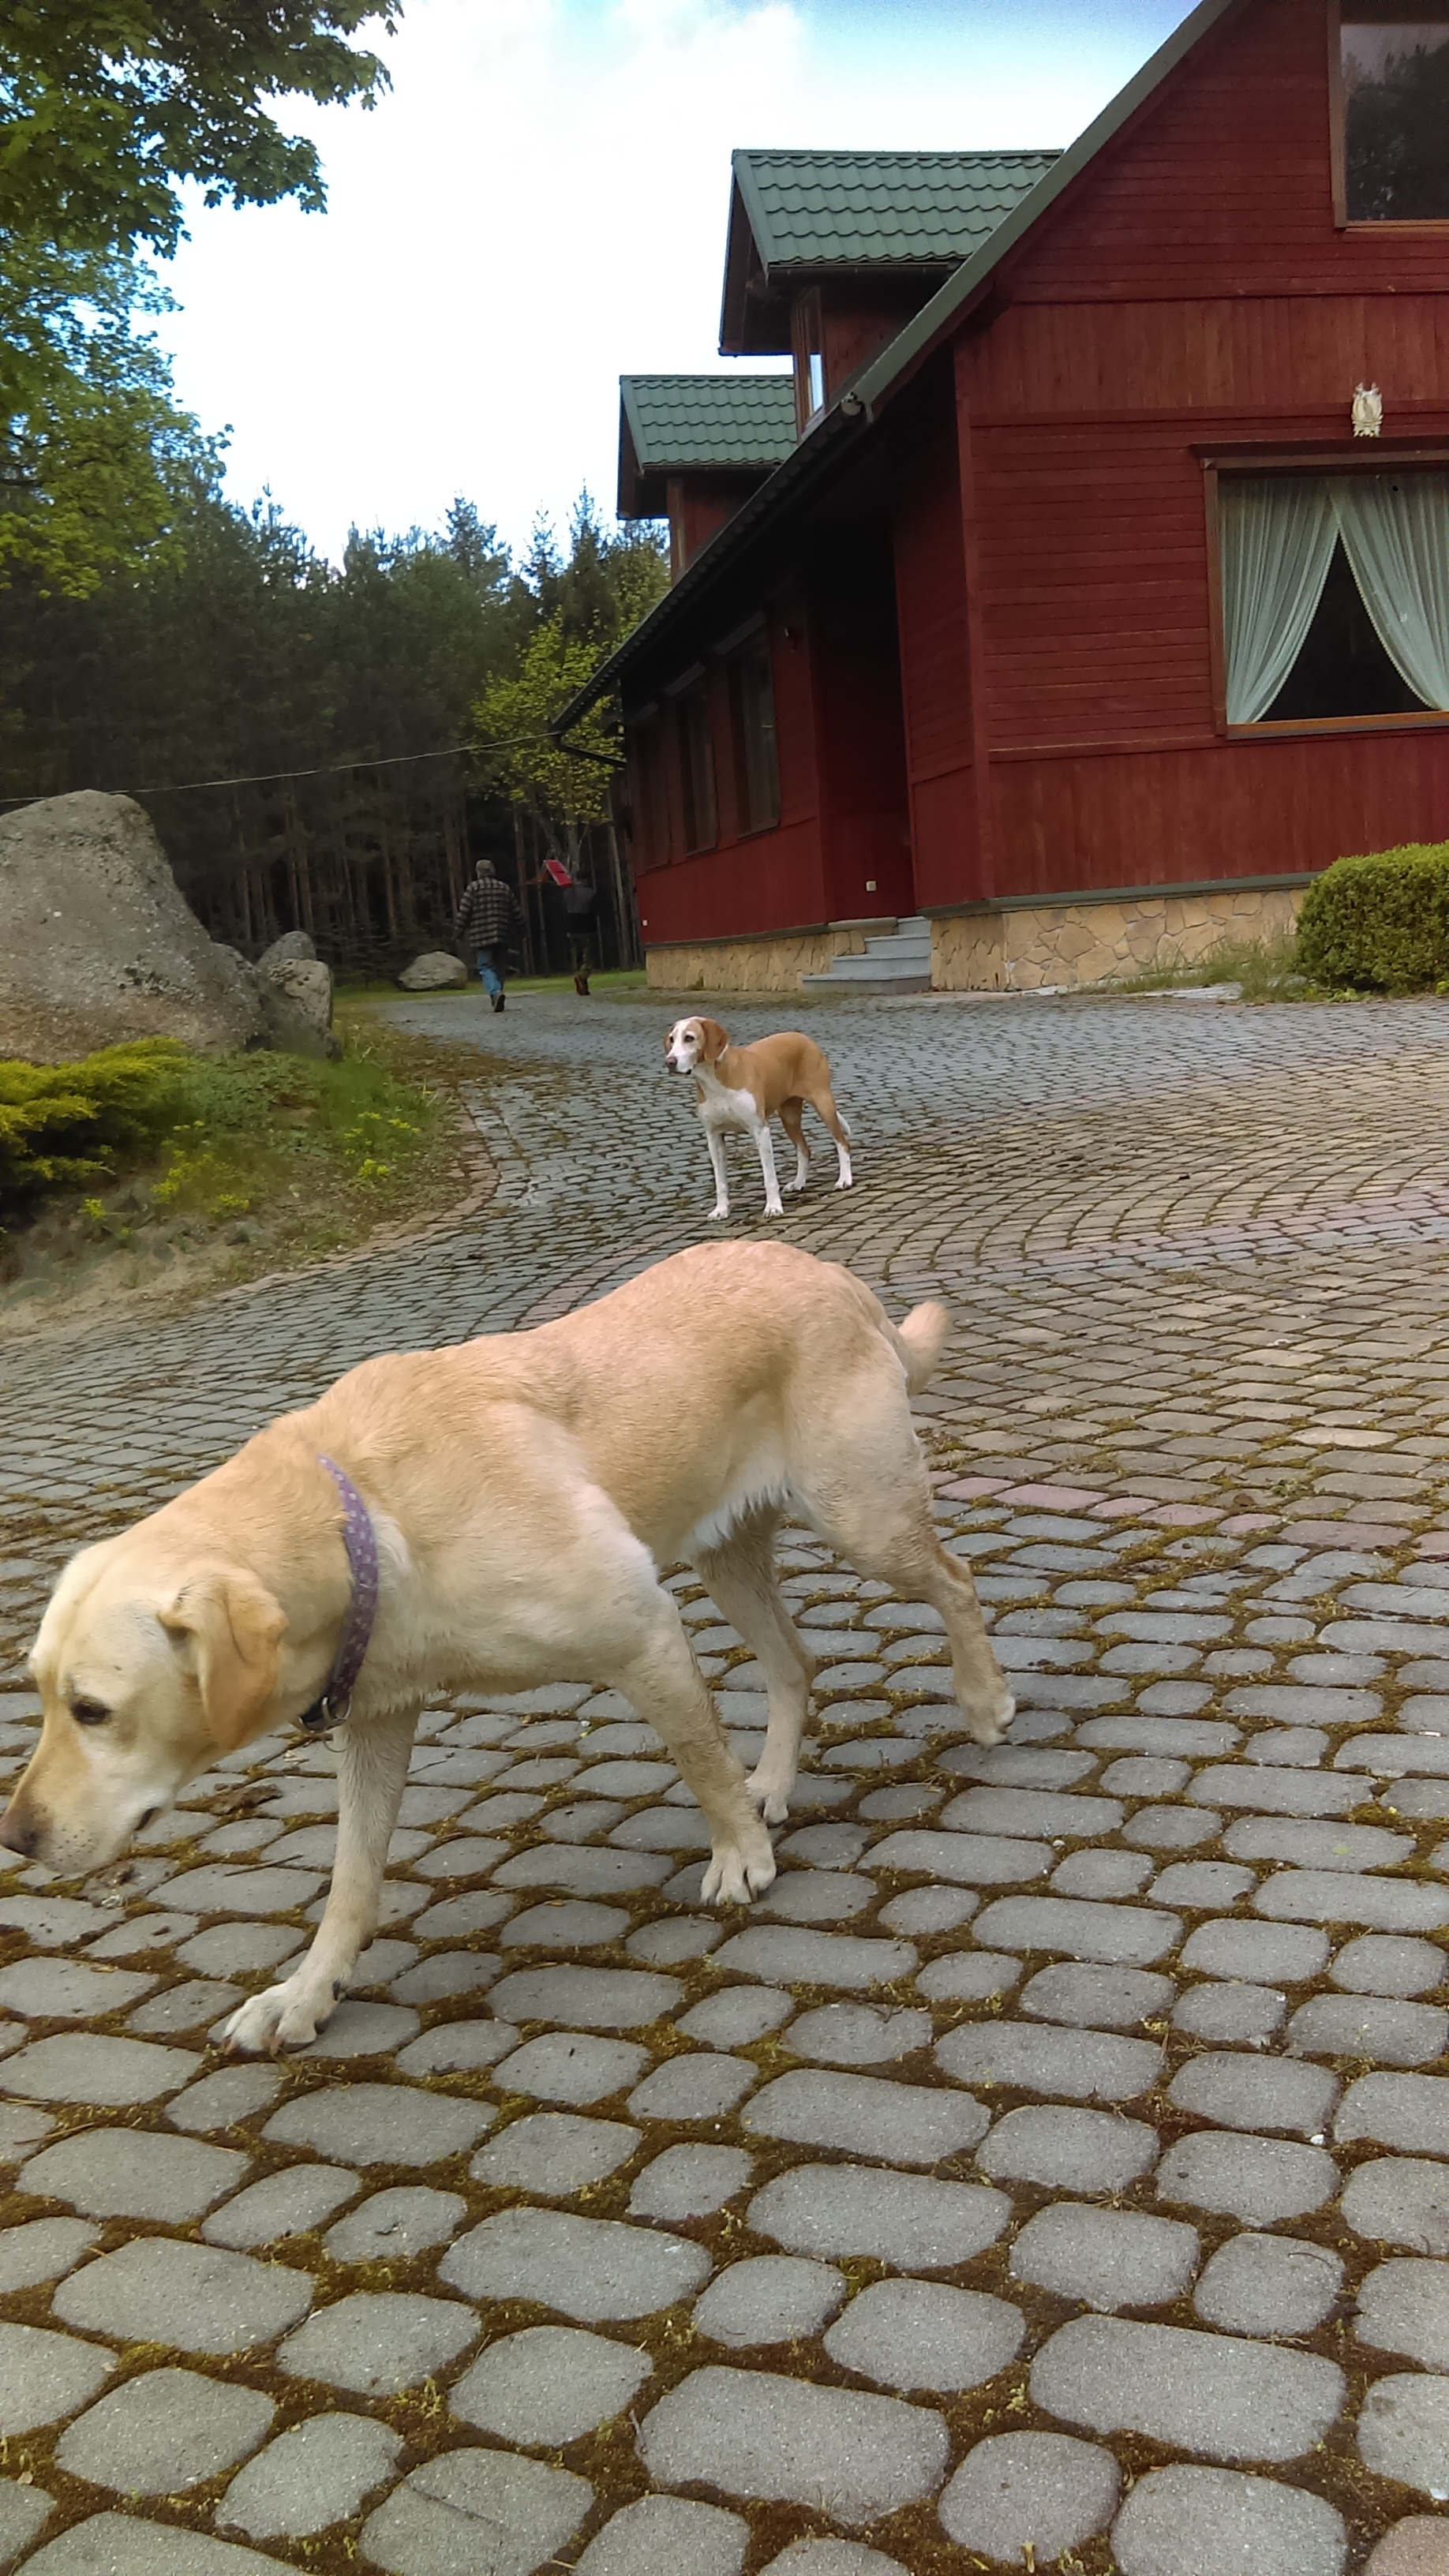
[(1392, 147), (696, 770), (752, 717), (1335, 595)]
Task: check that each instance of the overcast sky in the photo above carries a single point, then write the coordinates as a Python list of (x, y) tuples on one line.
[(539, 206)]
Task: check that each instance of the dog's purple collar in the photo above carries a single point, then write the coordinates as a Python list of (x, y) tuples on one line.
[(360, 1539)]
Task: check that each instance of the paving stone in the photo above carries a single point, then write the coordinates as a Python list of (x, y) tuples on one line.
[(221, 1889), (595, 2269), (1269, 2285), (50, 1922), (458, 2048), (587, 1998), (393, 2225), (124, 2544), (1161, 1829), (44, 2376), (1117, 1998), (1257, 2093), (737, 2016), (49, 1989), (1283, 1792), (553, 2153), (430, 2525), (89, 2066), (929, 1909), (1251, 1952), (42, 2251), (290, 2203), (570, 1924), (1397, 2034), (1316, 1845), (1406, 2111), (1157, 1729), (549, 2385), (1403, 2431), (232, 2094), (910, 2221), (693, 2088), (130, 2173), (1387, 1963), (1400, 2200), (462, 1918), (921, 2334), (1030, 2495), (859, 2034), (164, 2431), (24, 2513), (1068, 2150), (582, 1869), (1418, 2546), (816, 1896), (991, 1810), (231, 1949), (789, 1956), (561, 2068), (903, 2124), (689, 2182), (753, 2434), (1218, 2522), (1202, 1886), (771, 2298), (968, 1975), (1404, 2307), (1083, 2065), (378, 2342), (1327, 1896), (197, 2298), (1105, 2258), (1259, 2180), (380, 2124), (1232, 2012), (1116, 1935), (317, 2474), (1101, 1873), (668, 2536), (1215, 2394)]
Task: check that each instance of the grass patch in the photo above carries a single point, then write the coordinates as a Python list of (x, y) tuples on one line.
[(613, 979), (1268, 971)]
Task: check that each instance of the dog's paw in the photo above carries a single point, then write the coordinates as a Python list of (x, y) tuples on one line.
[(739, 1870), (771, 1795), (846, 1185), (794, 1189), (285, 2016), (774, 1207), (989, 1725), (717, 1215)]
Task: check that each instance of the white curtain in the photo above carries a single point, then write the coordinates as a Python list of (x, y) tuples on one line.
[(1278, 536), (1395, 531)]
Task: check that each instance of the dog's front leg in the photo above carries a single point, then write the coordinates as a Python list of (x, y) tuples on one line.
[(715, 1141), (371, 1771), (774, 1204)]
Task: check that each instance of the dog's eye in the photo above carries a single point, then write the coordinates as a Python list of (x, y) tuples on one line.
[(89, 1712)]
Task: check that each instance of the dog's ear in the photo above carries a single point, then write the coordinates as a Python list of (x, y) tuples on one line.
[(232, 1627), (712, 1039)]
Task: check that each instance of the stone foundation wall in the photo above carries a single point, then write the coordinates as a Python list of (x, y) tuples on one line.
[(755, 965), (1092, 943)]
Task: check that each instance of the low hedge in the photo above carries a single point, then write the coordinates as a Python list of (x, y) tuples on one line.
[(1380, 923), (62, 1125)]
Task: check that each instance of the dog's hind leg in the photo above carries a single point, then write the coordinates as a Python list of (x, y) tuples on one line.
[(739, 1576), (823, 1104), (663, 1682), (792, 1119), (372, 1769), (862, 1483)]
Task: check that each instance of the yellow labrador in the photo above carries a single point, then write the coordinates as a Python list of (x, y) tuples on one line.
[(520, 1494)]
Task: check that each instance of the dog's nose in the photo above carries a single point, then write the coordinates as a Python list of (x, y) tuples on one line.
[(18, 1835)]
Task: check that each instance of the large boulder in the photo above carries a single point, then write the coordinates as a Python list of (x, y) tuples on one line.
[(97, 944), (430, 974), (294, 945), (296, 995)]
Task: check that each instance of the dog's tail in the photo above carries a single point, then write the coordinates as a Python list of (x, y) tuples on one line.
[(920, 1340)]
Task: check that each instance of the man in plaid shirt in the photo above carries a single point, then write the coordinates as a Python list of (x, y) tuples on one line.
[(489, 919)]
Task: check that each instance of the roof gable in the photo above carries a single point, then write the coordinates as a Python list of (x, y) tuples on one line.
[(699, 424)]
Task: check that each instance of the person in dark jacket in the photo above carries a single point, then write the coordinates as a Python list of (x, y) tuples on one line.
[(489, 921), (581, 906)]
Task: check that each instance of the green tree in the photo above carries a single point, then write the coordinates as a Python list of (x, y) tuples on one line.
[(106, 105)]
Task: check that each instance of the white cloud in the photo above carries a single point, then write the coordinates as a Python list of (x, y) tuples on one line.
[(539, 204)]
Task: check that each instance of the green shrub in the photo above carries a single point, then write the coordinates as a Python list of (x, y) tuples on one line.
[(1380, 923), (63, 1124)]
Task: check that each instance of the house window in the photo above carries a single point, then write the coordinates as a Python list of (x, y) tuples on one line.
[(696, 770), (816, 364), (1393, 104), (752, 720), (1335, 595)]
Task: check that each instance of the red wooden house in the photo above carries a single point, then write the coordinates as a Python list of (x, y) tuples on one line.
[(1083, 613)]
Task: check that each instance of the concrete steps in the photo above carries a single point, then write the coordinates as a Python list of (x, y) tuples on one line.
[(895, 961)]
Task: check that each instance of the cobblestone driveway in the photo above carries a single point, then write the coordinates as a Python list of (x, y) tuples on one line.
[(1054, 2170)]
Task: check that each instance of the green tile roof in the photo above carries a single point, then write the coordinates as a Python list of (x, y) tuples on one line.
[(682, 421), (851, 209)]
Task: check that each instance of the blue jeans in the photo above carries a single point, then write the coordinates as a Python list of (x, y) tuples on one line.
[(490, 970)]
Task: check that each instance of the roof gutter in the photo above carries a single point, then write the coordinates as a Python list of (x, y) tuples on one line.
[(821, 445)]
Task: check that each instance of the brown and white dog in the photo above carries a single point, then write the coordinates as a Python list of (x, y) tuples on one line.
[(524, 1491), (747, 1086)]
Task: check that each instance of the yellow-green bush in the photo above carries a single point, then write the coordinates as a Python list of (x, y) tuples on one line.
[(1381, 922), (64, 1124)]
